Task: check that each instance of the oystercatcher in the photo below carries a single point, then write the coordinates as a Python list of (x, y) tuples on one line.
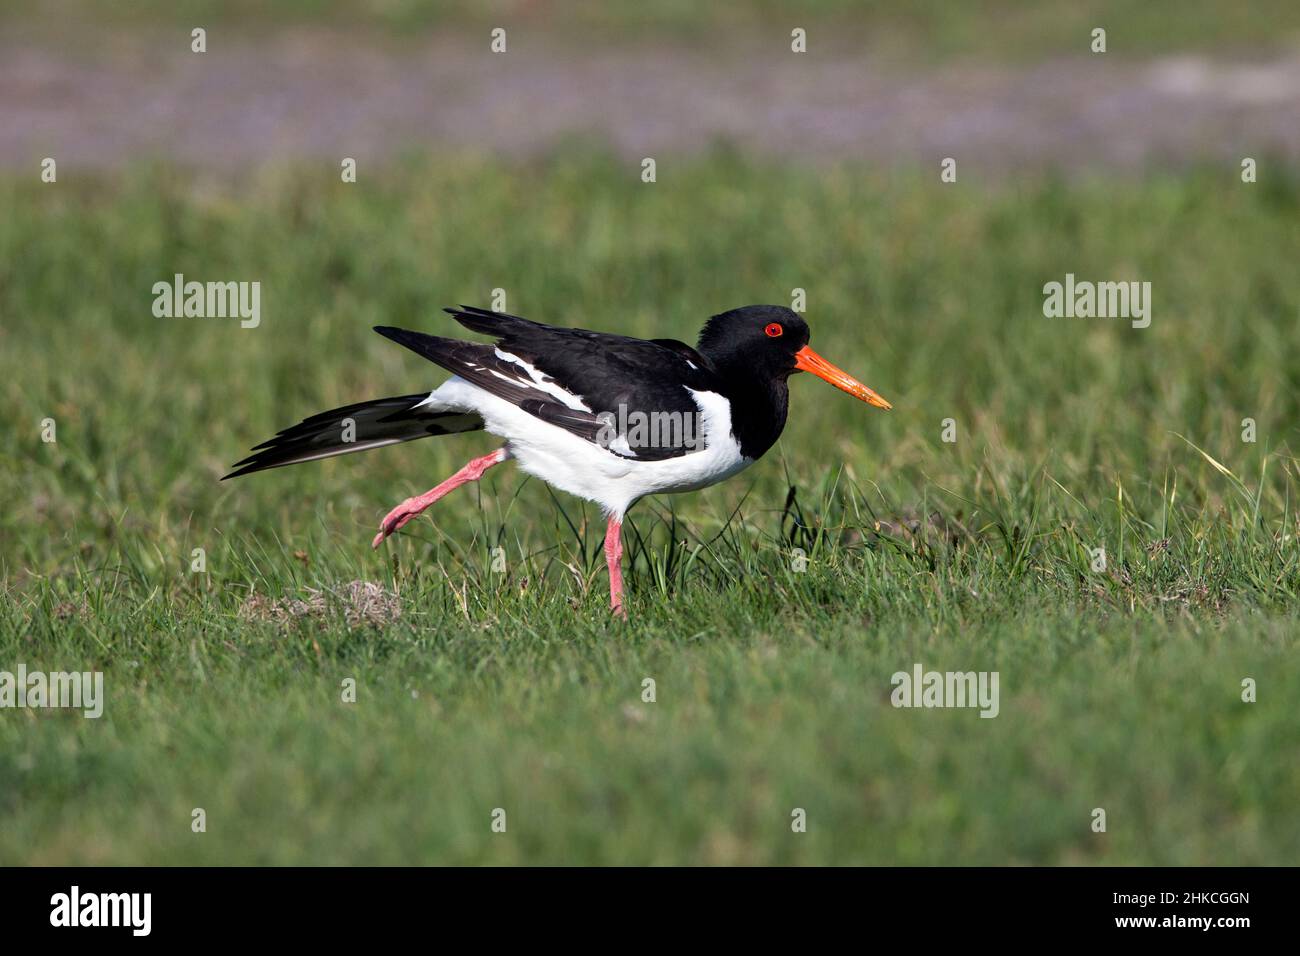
[(605, 417)]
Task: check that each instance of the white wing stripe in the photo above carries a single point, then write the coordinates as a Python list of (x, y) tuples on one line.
[(544, 382)]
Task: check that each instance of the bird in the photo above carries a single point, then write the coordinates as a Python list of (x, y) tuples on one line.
[(605, 417)]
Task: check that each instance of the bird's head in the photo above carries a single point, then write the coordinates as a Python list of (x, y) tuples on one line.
[(771, 341)]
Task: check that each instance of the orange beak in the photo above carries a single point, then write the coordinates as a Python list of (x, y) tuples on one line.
[(806, 360)]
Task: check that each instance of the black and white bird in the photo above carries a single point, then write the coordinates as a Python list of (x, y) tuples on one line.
[(605, 417)]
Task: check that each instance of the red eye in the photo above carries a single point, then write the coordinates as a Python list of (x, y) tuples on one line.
[(774, 330)]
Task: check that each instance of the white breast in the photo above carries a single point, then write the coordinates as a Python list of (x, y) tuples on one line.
[(573, 464)]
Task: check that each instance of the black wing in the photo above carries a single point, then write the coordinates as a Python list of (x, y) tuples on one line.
[(635, 389)]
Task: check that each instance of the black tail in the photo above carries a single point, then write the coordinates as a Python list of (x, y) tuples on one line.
[(384, 421)]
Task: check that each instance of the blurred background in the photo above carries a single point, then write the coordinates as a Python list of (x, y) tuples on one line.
[(1006, 85)]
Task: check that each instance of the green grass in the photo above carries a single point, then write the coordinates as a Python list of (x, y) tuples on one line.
[(1120, 689), (901, 31)]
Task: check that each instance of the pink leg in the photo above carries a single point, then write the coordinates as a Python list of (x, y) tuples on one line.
[(411, 507), (614, 558)]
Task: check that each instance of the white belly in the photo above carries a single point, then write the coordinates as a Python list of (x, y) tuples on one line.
[(573, 464)]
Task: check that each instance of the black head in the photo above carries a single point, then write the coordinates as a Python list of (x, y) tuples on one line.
[(766, 343), (762, 338)]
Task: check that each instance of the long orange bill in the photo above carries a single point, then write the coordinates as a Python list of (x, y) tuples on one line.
[(807, 360)]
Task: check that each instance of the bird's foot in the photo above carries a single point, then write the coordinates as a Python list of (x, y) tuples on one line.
[(399, 516), (411, 507)]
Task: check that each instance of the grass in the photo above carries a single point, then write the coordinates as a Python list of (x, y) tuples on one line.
[(1121, 688), (899, 31)]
